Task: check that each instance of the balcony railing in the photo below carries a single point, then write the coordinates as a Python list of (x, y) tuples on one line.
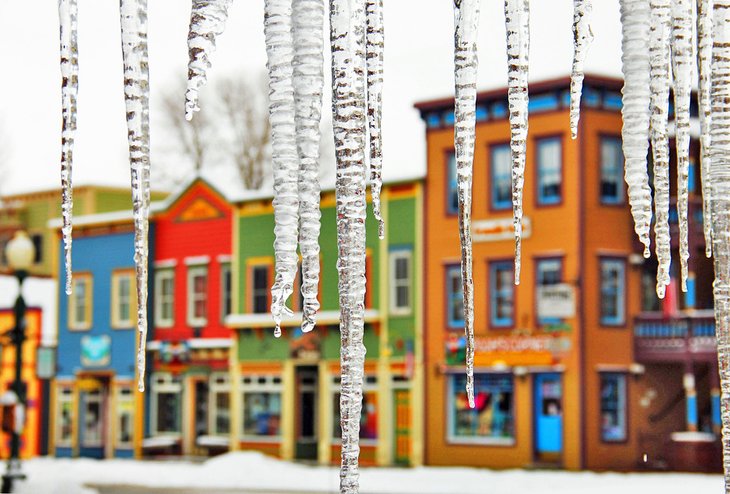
[(688, 336)]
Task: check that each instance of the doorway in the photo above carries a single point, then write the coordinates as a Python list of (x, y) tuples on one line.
[(93, 422), (548, 409), (306, 412)]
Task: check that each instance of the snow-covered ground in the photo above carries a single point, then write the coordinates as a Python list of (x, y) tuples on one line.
[(256, 471)]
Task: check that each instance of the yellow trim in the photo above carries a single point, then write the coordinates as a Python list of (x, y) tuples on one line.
[(138, 422), (75, 422), (418, 385), (114, 316), (235, 266), (52, 403), (86, 325), (259, 260), (234, 371), (326, 414), (287, 411), (256, 208), (384, 447)]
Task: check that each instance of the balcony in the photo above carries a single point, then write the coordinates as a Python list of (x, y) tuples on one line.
[(686, 337)]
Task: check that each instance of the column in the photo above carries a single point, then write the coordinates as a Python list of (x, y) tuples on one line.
[(690, 394), (234, 374), (326, 414), (384, 448), (287, 410)]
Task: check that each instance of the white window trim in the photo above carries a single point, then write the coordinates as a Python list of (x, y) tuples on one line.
[(219, 382), (88, 303), (119, 397), (159, 276), (192, 272), (116, 300), (62, 398), (95, 396), (165, 263), (163, 382), (394, 283), (197, 260), (225, 266), (254, 386)]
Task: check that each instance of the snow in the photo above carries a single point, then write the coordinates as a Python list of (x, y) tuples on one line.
[(248, 470)]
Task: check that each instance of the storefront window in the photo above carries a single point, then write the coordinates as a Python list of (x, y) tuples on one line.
[(221, 404), (369, 416), (64, 429), (93, 422), (166, 404), (125, 416), (261, 407), (613, 407), (491, 421)]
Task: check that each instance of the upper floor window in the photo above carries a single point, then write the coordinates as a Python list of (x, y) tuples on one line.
[(197, 295), (502, 294), (164, 298), (260, 289), (549, 171), (226, 290), (79, 302), (612, 296), (123, 299), (454, 297), (612, 171), (501, 176), (452, 188), (548, 272), (400, 282)]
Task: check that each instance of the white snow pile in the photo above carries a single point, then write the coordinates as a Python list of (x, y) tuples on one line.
[(249, 471)]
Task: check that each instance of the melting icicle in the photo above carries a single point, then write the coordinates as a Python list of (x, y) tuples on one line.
[(308, 23), (133, 15), (207, 21), (720, 200), (285, 160), (582, 38), (374, 57), (635, 17), (704, 58), (67, 15), (517, 16), (466, 24), (349, 121), (661, 27), (682, 24)]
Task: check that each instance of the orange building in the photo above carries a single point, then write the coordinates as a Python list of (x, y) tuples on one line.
[(556, 379)]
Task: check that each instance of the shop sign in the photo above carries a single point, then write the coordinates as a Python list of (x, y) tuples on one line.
[(96, 351), (495, 230), (510, 350), (556, 301)]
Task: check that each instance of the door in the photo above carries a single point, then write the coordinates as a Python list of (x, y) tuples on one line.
[(548, 400), (200, 415), (306, 413), (402, 426), (92, 423)]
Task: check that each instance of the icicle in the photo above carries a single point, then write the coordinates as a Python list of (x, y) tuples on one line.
[(466, 25), (704, 57), (207, 21), (682, 24), (517, 15), (635, 17), (136, 96), (661, 27), (582, 38), (67, 15), (308, 25), (349, 121), (374, 57), (719, 175), (285, 161)]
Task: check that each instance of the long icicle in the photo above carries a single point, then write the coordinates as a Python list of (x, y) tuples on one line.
[(349, 121), (308, 32), (582, 38), (720, 197), (207, 21), (682, 58), (136, 97), (374, 59), (635, 19), (704, 59), (68, 19), (285, 160), (661, 28), (466, 23), (517, 17)]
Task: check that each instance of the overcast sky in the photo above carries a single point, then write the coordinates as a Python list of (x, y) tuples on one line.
[(418, 66)]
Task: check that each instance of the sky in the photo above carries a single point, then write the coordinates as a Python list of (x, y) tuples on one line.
[(418, 66)]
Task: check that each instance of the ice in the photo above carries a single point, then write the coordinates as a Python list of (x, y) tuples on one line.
[(466, 26), (661, 26), (635, 20), (704, 58), (582, 38), (68, 19), (374, 58), (349, 121), (307, 33), (285, 160), (682, 58), (517, 16), (207, 21), (136, 97)]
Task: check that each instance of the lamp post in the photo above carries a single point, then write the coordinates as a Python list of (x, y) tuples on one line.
[(20, 253)]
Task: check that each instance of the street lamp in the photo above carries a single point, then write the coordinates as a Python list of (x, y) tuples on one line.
[(20, 253)]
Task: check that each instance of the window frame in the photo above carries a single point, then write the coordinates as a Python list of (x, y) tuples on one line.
[(64, 395), (620, 200), (620, 319), (622, 399), (452, 183), (85, 325), (495, 205), (90, 397), (165, 383), (449, 269), (218, 383), (121, 397), (394, 283), (540, 199), (538, 260), (252, 293), (226, 296), (160, 275), (272, 384), (116, 322), (369, 385), (495, 322), (192, 296)]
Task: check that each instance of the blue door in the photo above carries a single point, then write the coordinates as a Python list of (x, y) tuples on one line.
[(548, 414)]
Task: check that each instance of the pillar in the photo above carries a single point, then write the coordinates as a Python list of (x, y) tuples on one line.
[(288, 399), (234, 372), (326, 414), (384, 448), (690, 394)]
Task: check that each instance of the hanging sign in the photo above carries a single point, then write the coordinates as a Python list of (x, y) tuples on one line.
[(499, 229), (96, 351), (556, 301)]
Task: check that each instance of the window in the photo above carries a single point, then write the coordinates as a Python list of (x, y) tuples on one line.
[(220, 403), (226, 291), (452, 188), (501, 175), (369, 415), (612, 292), (165, 298), (548, 272), (79, 308), (260, 289), (93, 422), (502, 291), (549, 171), (454, 297), (197, 295), (166, 404), (612, 171), (37, 240), (125, 416), (491, 421), (400, 282), (64, 425), (261, 407), (650, 302), (124, 300), (613, 407)]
